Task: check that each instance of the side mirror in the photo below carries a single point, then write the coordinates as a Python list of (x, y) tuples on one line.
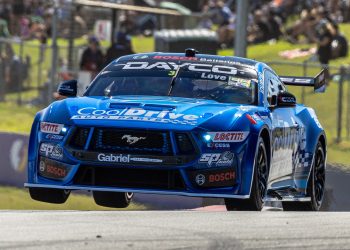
[(286, 99), (68, 88)]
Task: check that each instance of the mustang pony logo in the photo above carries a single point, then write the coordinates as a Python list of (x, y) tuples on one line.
[(132, 139)]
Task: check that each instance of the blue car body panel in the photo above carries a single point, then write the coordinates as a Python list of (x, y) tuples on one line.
[(290, 133)]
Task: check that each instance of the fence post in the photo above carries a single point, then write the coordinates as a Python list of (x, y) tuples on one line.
[(348, 108), (340, 104), (303, 88), (54, 54), (19, 90)]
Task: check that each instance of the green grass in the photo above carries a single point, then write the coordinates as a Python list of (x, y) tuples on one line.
[(15, 198), (19, 119)]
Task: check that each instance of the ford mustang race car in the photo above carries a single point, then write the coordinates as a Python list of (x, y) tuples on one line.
[(183, 124)]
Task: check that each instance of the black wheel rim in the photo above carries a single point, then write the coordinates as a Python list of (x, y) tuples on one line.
[(262, 171), (319, 176)]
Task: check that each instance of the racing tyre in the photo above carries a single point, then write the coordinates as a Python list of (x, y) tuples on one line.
[(256, 200), (315, 187), (50, 195), (112, 199)]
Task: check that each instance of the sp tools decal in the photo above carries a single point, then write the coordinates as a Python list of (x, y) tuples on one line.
[(220, 160), (52, 128), (51, 151), (236, 136)]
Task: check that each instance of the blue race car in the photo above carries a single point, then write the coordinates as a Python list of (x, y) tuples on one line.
[(183, 124)]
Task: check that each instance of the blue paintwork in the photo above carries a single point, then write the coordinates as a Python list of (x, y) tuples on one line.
[(212, 116)]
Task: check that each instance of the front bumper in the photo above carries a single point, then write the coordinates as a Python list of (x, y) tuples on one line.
[(187, 169), (133, 190)]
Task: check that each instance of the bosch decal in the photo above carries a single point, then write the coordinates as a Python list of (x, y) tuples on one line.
[(51, 169), (220, 177)]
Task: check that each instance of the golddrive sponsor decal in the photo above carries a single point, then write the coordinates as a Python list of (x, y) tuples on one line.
[(136, 114), (236, 136)]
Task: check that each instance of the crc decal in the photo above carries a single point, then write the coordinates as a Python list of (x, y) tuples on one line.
[(218, 145), (219, 160), (236, 136), (54, 137), (136, 114), (51, 151), (52, 128), (196, 67)]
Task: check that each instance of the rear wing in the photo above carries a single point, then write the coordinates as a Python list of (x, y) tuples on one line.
[(318, 82)]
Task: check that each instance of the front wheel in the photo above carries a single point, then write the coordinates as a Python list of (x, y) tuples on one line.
[(112, 199), (259, 184), (315, 186), (50, 195)]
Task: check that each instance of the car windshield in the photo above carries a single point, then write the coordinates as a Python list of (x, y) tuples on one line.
[(220, 87)]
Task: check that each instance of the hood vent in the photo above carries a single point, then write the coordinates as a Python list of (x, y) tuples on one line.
[(156, 107), (123, 105)]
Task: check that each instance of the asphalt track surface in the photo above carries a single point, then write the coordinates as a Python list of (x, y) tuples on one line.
[(174, 230), (203, 228)]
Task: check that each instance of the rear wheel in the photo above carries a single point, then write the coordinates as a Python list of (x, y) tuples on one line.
[(315, 187), (259, 184), (49, 195), (112, 199)]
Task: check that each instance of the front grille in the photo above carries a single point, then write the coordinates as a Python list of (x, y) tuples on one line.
[(131, 141), (184, 144), (129, 178), (78, 138)]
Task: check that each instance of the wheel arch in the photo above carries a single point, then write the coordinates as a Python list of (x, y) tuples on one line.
[(265, 135), (322, 139)]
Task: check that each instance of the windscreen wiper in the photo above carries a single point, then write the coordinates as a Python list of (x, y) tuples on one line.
[(173, 79)]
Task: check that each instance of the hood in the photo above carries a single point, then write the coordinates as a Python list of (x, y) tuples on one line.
[(149, 112)]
